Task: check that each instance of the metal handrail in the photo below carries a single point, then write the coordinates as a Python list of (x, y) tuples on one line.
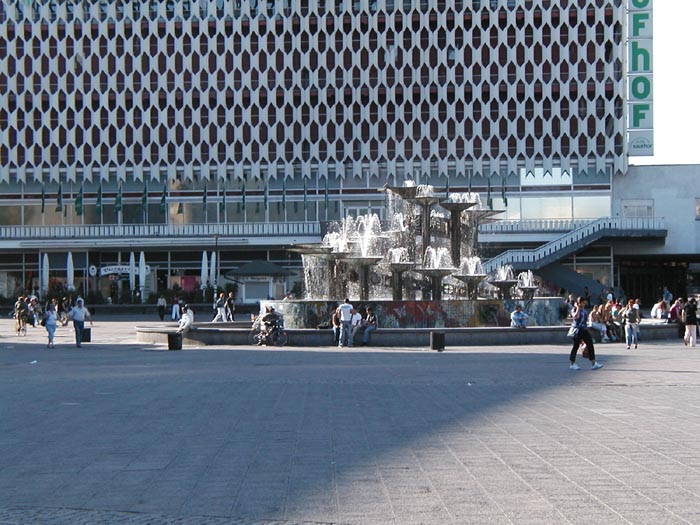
[(533, 225), (575, 236), (98, 231)]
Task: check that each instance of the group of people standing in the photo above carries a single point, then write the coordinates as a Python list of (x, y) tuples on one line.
[(610, 318), (29, 311), (346, 322)]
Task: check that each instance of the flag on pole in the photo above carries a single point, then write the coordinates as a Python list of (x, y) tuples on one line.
[(305, 199), (469, 188), (489, 200), (43, 197), (204, 198), (163, 200), (98, 203), (243, 197), (79, 202), (118, 200), (503, 193), (222, 204), (59, 198), (180, 211), (284, 192), (266, 195), (144, 197), (447, 188), (325, 195)]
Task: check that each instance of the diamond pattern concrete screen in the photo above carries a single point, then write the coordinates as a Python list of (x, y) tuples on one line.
[(338, 88)]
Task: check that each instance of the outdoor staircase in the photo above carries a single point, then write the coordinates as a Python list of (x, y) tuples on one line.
[(575, 240)]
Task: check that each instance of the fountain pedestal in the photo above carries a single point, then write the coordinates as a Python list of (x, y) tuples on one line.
[(425, 202), (472, 283), (528, 291), (456, 209), (362, 265), (436, 276), (397, 271), (504, 287)]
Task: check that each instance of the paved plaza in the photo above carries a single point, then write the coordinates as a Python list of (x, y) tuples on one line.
[(121, 432)]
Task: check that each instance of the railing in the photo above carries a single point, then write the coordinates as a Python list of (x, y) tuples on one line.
[(100, 231), (533, 225), (574, 237)]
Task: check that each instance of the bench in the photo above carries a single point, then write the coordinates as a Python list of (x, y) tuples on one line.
[(208, 334)]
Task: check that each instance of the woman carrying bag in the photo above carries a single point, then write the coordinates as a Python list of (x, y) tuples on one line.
[(49, 321), (579, 332)]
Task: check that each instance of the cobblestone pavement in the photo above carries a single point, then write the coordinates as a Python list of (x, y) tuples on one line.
[(116, 432)]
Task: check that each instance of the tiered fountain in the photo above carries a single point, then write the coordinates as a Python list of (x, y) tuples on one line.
[(471, 273), (418, 269)]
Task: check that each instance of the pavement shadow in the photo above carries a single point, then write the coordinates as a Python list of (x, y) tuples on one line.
[(249, 434)]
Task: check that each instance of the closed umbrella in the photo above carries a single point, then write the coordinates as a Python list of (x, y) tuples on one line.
[(45, 274), (203, 275), (132, 273), (142, 274), (212, 270), (70, 271)]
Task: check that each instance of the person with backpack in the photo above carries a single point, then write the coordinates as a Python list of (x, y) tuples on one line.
[(579, 325)]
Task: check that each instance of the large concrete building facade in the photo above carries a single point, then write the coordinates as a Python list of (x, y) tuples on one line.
[(242, 127)]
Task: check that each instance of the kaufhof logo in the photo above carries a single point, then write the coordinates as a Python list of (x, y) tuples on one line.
[(641, 144)]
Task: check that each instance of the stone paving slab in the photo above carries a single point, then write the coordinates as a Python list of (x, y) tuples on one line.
[(118, 433)]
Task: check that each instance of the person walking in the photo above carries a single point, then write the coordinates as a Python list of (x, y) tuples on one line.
[(161, 304), (78, 314), (230, 307), (21, 314), (630, 318), (220, 307), (345, 312), (50, 321), (690, 320), (175, 312), (579, 315)]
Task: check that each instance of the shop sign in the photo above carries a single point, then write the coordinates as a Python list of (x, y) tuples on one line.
[(119, 269), (640, 96)]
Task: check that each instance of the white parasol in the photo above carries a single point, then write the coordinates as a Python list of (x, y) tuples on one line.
[(45, 274), (203, 276), (142, 274), (132, 273), (212, 270), (70, 272)]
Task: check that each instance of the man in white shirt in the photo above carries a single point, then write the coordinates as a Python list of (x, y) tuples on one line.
[(345, 312), (186, 321), (355, 324), (78, 314)]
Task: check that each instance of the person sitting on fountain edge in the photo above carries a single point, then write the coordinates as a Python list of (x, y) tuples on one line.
[(518, 318)]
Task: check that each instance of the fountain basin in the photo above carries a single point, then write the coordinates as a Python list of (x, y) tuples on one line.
[(447, 313)]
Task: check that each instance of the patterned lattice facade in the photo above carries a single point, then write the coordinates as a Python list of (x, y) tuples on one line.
[(200, 89)]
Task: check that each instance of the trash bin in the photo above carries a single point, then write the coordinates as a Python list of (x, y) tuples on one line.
[(437, 341), (87, 335), (175, 341)]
